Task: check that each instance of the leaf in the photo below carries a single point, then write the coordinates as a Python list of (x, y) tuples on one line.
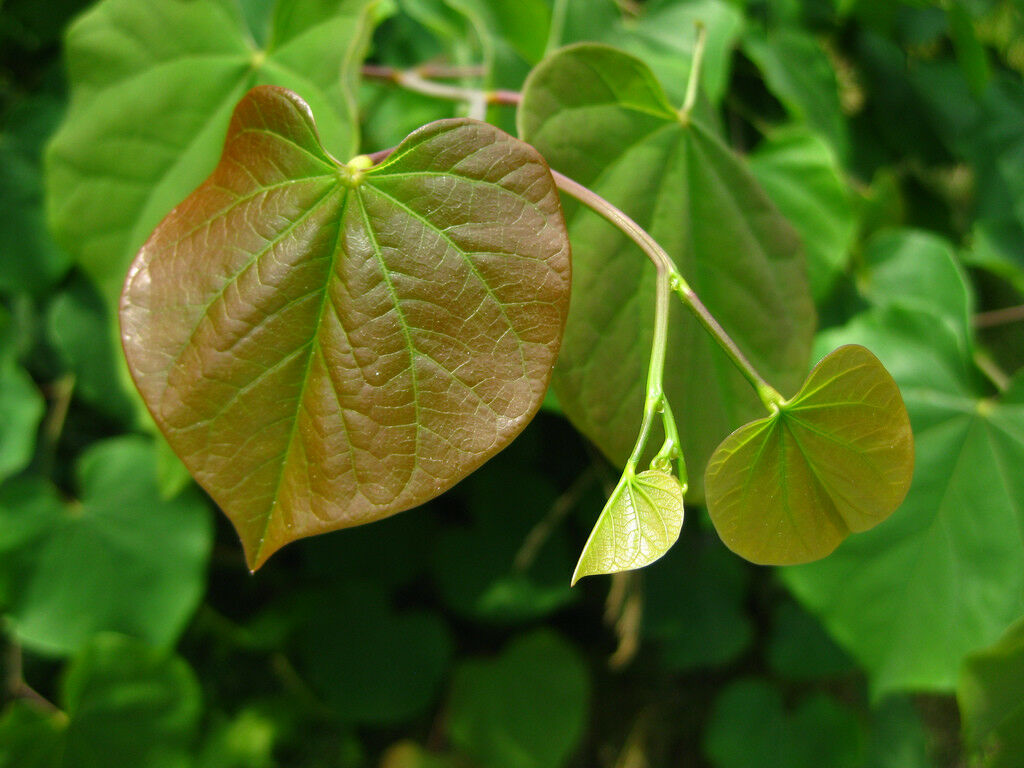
[(152, 89), (944, 576), (327, 345), (491, 586), (124, 703), (21, 410), (750, 726), (77, 324), (639, 524), (599, 116), (373, 666), (803, 177), (129, 704), (695, 604), (970, 53), (664, 38), (917, 270), (989, 695), (524, 709), (800, 649), (835, 459), (30, 260), (798, 72), (118, 559)]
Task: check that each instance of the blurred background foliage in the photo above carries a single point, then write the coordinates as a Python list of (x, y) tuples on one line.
[(890, 133)]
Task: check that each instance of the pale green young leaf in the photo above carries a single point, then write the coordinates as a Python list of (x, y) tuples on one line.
[(639, 524)]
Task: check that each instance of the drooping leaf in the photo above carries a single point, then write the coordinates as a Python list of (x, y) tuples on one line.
[(802, 175), (638, 524), (600, 117), (524, 709), (835, 459), (944, 575), (799, 73), (152, 89), (750, 726), (372, 665), (991, 700), (119, 558), (325, 345)]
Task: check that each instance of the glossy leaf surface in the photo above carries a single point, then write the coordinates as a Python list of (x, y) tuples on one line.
[(952, 550), (325, 345), (600, 117), (990, 699), (70, 570), (835, 459), (152, 89), (639, 524)]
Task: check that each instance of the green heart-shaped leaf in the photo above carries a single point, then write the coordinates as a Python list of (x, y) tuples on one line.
[(599, 116), (324, 344), (639, 524), (835, 459), (153, 85)]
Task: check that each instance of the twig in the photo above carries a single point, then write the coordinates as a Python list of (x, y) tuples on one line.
[(539, 534), (16, 688), (1002, 316), (415, 80)]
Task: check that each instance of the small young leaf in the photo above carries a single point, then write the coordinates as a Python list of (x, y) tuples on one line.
[(639, 524), (835, 459), (325, 345)]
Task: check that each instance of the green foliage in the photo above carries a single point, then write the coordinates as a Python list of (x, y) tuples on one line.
[(600, 117), (854, 161), (366, 350), (989, 697)]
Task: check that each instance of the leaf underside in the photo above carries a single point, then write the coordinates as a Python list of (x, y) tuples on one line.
[(835, 459), (325, 346), (639, 524)]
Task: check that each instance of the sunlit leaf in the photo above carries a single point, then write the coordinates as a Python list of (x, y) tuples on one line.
[(119, 558), (639, 524), (910, 598), (152, 89), (325, 345), (991, 698), (600, 117), (524, 709), (835, 459)]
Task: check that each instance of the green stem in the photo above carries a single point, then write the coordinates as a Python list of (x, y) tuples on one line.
[(667, 269)]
